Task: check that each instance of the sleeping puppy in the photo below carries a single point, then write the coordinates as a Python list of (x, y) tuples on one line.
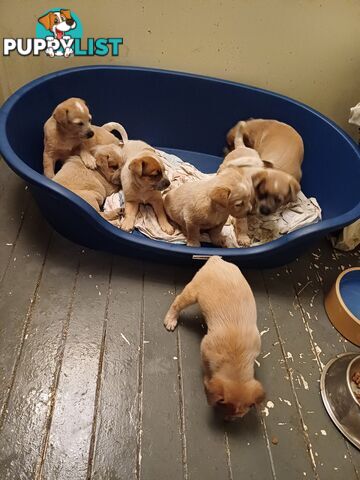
[(143, 178), (205, 205), (232, 343), (69, 132), (272, 188), (94, 186), (277, 143)]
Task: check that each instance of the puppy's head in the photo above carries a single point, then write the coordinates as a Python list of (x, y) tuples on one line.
[(74, 117), (273, 188), (236, 198), (109, 161), (58, 22), (234, 399), (149, 171)]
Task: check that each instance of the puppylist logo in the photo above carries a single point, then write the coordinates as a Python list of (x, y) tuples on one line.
[(59, 33)]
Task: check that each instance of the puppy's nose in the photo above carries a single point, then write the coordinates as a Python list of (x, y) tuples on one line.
[(69, 22), (164, 183), (89, 134), (264, 210)]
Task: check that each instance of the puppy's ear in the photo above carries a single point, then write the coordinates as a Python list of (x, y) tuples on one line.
[(60, 114), (66, 13), (253, 392), (220, 195), (258, 178), (46, 20), (214, 390), (294, 189), (136, 166), (268, 164)]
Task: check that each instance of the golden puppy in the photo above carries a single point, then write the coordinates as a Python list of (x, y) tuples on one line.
[(272, 188), (232, 342), (94, 186), (143, 178), (69, 132), (205, 205), (276, 142)]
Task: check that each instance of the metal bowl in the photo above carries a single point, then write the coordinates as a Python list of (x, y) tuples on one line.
[(354, 366), (338, 397)]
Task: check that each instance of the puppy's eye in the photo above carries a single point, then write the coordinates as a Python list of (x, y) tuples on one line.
[(56, 20), (79, 124), (239, 204), (63, 18), (262, 196)]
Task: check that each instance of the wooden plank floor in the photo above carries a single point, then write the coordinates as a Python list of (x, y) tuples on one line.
[(93, 387)]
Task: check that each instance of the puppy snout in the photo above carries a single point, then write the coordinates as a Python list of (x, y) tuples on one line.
[(164, 183), (264, 210), (69, 22), (89, 133)]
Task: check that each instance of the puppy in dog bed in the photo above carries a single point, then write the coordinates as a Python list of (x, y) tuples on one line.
[(273, 188), (143, 178), (232, 343), (205, 205), (69, 132), (278, 144), (94, 186)]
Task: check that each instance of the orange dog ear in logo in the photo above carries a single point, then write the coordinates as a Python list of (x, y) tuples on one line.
[(66, 13), (47, 20)]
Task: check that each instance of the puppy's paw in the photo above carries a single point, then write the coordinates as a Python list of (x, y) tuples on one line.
[(127, 225), (88, 160), (243, 240), (193, 243), (170, 322), (167, 228)]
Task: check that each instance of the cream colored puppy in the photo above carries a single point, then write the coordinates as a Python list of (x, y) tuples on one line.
[(143, 178), (232, 343), (69, 132), (205, 205), (277, 143), (94, 186)]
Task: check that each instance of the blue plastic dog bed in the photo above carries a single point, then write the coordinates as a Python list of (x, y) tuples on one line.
[(184, 114)]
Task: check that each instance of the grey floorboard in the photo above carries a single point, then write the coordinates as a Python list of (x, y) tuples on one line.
[(117, 424), (161, 438), (17, 293), (29, 404), (280, 413), (70, 432)]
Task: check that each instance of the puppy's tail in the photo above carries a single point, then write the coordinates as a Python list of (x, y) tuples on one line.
[(239, 134), (118, 128)]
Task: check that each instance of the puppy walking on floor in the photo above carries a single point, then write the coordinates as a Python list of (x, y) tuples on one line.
[(232, 343)]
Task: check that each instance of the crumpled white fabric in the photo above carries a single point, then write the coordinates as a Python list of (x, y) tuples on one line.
[(262, 229)]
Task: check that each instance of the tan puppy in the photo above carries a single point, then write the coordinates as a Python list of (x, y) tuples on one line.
[(276, 142), (205, 205), (69, 132), (232, 342), (272, 188), (94, 186), (143, 178)]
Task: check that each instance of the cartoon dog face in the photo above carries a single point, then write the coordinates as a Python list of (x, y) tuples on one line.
[(58, 22)]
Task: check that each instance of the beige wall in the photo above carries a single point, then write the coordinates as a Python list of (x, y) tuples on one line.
[(306, 49)]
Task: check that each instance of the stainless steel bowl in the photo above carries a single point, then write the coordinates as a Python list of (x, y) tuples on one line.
[(354, 366), (338, 397)]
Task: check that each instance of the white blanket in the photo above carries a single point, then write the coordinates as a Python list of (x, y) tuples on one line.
[(262, 229)]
